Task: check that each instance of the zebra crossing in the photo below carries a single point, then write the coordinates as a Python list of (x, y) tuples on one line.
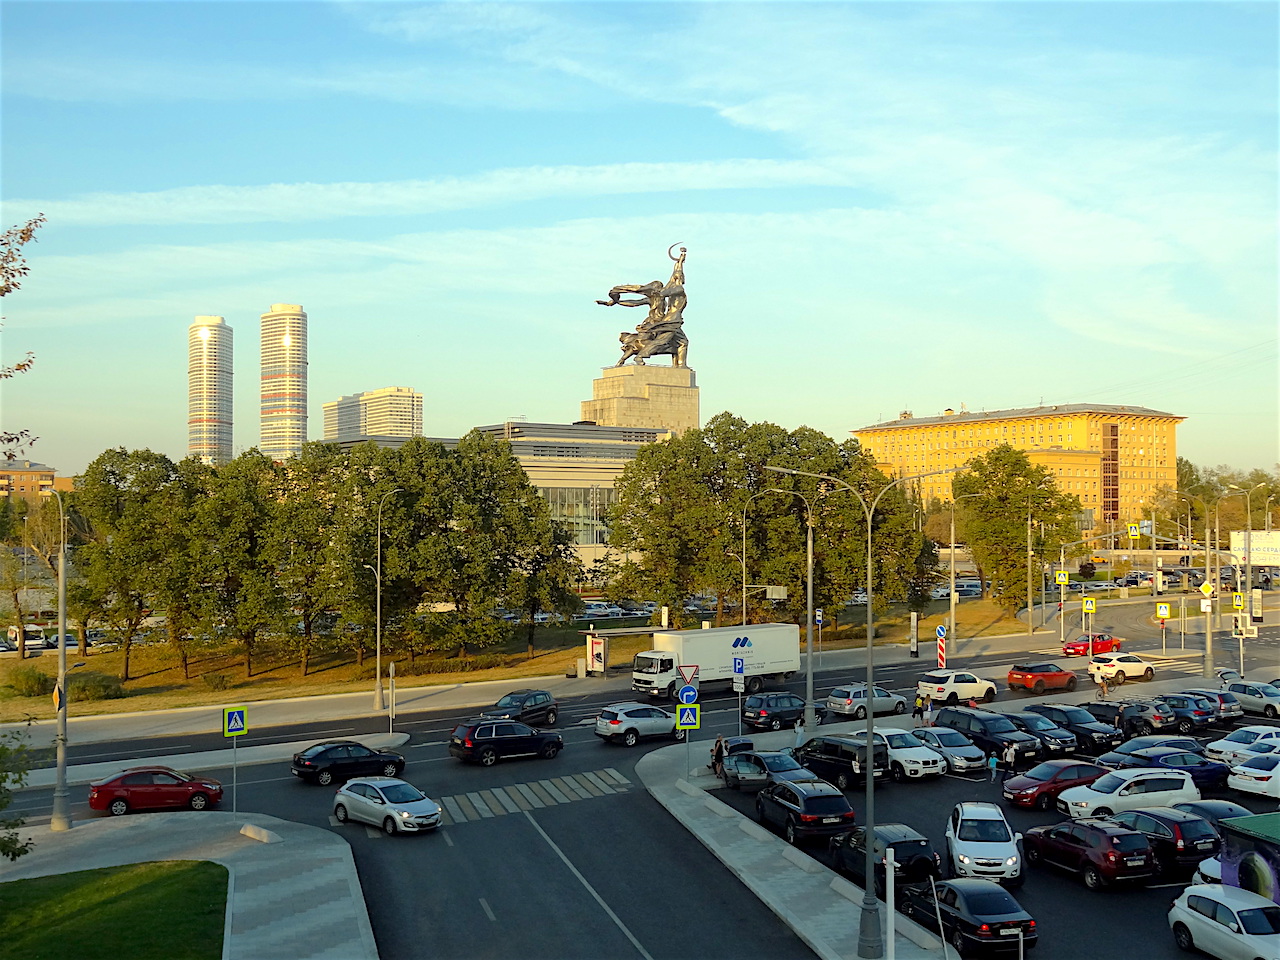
[(519, 797)]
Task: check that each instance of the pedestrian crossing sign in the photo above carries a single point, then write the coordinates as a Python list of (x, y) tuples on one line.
[(689, 716), (1162, 611), (233, 722), (1090, 604), (1062, 577)]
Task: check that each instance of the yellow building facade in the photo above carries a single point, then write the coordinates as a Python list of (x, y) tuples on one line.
[(1113, 457)]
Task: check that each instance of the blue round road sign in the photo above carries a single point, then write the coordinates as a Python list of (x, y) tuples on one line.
[(940, 632), (688, 694)]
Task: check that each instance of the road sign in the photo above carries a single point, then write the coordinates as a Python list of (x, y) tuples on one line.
[(942, 653), (739, 683), (1090, 605), (1206, 588), (940, 632), (1206, 605), (1062, 578), (1135, 531), (739, 666), (1237, 601), (688, 694), (1162, 611), (233, 722), (57, 697), (688, 671), (689, 716), (817, 616)]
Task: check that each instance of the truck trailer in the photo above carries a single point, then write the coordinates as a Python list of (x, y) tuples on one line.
[(769, 652)]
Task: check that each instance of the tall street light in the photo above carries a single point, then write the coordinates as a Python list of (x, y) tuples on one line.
[(1208, 669), (1248, 541), (870, 938), (758, 493), (61, 819), (379, 701)]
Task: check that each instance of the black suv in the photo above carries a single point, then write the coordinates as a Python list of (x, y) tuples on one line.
[(990, 732), (1179, 839), (486, 741), (1055, 741), (841, 759), (804, 808), (1093, 737), (914, 860), (537, 707), (332, 760), (773, 711), (1135, 718)]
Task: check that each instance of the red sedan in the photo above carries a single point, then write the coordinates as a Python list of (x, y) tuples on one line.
[(152, 788), (1039, 677), (1087, 644), (1039, 787)]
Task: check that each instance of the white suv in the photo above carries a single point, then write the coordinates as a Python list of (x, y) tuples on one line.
[(1119, 667), (1128, 790), (952, 686), (909, 759), (981, 844)]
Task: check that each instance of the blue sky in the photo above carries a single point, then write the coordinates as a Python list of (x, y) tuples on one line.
[(887, 206)]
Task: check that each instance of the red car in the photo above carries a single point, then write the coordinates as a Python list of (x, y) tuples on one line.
[(152, 788), (1039, 677), (1099, 851), (1087, 644), (1039, 787)]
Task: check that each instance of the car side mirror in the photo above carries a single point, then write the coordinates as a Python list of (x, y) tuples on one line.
[(1233, 927), (1017, 838), (378, 800)]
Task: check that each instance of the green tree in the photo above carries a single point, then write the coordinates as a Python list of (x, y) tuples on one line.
[(15, 761), (1002, 487), (543, 571), (13, 267)]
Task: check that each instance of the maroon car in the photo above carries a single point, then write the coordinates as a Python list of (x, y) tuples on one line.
[(152, 788), (1039, 787), (1039, 677), (1099, 851), (1087, 644)]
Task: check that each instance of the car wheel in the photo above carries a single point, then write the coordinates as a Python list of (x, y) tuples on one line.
[(1038, 687), (732, 786), (671, 693), (119, 807), (790, 832), (842, 781), (679, 733), (989, 695), (952, 699), (1102, 812), (899, 773), (324, 777), (1182, 937), (340, 813), (630, 738), (1185, 726), (900, 707), (488, 757), (549, 750), (389, 826), (552, 717), (775, 724), (1014, 882), (1071, 684), (1033, 855), (1118, 678), (1093, 879), (1145, 729), (1044, 802), (1148, 674), (390, 769), (199, 801), (755, 685), (860, 713), (1269, 711), (759, 810), (957, 941)]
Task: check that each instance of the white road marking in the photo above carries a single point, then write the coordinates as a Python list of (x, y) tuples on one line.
[(488, 911), (447, 839), (591, 890)]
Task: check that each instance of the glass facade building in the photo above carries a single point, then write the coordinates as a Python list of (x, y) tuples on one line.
[(209, 395), (283, 421)]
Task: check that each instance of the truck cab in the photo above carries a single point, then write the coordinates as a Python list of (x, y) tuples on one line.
[(654, 672)]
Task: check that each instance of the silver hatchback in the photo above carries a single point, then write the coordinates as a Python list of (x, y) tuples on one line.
[(851, 701), (393, 805)]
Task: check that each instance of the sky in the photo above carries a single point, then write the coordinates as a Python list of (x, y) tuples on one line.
[(887, 206)]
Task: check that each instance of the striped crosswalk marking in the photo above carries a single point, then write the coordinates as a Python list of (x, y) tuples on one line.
[(537, 795)]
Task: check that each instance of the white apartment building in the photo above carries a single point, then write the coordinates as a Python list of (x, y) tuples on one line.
[(391, 412), (283, 424), (209, 395)]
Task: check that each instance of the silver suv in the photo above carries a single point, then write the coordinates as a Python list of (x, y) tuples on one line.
[(629, 723), (980, 843)]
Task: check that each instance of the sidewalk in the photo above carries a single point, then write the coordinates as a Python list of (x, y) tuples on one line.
[(293, 894)]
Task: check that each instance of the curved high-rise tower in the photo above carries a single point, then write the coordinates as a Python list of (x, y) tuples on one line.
[(209, 357), (284, 381)]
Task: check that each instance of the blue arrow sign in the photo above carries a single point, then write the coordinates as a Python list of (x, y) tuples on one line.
[(688, 694), (817, 616), (739, 665), (940, 632)]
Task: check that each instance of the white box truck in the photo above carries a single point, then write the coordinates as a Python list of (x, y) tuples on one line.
[(769, 651)]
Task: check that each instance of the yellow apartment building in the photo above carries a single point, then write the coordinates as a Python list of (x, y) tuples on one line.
[(1112, 457)]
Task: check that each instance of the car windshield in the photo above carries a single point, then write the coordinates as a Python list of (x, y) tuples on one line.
[(984, 831), (510, 700), (1034, 722), (643, 664), (1077, 715), (1129, 842), (779, 762), (1243, 736), (1262, 763), (1198, 830), (1268, 690), (1042, 773), (950, 738), (1108, 784), (934, 678), (402, 793), (992, 903), (1000, 725), (1261, 921), (827, 806), (314, 749), (902, 741)]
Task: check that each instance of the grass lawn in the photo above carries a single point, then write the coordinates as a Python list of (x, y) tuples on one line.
[(158, 683), (166, 911)]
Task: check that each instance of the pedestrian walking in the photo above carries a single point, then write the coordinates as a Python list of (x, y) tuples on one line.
[(993, 766), (799, 730), (917, 711), (1010, 759), (928, 710), (717, 757)]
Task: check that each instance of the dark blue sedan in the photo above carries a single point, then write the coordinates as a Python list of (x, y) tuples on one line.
[(1207, 774)]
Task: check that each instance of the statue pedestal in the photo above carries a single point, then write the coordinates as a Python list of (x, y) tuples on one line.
[(644, 396)]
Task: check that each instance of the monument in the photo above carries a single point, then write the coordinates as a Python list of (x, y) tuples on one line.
[(640, 394)]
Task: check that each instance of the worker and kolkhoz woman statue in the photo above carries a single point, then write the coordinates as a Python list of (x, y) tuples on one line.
[(662, 331)]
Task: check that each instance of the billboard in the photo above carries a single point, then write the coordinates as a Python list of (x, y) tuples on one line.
[(1264, 545)]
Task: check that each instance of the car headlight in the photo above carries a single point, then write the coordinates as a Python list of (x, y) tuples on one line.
[(1011, 861), (963, 859), (1080, 803), (405, 813)]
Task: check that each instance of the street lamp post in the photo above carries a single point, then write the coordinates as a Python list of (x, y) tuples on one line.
[(61, 819), (1248, 543), (1208, 669), (379, 700), (758, 493), (870, 938)]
